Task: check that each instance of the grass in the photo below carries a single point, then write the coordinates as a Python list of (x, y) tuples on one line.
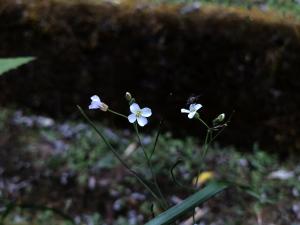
[(69, 169)]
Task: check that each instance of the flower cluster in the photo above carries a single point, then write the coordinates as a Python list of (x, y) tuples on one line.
[(137, 114)]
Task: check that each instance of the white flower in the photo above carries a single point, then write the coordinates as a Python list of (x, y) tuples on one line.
[(139, 114), (97, 104), (192, 111)]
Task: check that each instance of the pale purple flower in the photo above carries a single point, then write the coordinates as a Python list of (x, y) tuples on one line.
[(139, 115), (97, 104), (192, 110)]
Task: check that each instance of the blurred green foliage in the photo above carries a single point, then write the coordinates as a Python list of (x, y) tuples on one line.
[(85, 155)]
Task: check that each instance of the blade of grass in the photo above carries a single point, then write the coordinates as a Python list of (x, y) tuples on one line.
[(7, 64), (188, 204), (172, 172), (156, 138)]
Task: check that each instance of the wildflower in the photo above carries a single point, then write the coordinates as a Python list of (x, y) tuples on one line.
[(97, 104), (139, 114), (192, 110), (203, 177)]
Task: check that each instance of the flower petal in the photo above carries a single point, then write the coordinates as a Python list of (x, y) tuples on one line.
[(95, 98), (95, 105), (146, 112), (198, 106), (192, 107), (134, 108), (185, 111), (142, 121), (96, 102), (191, 115), (132, 118)]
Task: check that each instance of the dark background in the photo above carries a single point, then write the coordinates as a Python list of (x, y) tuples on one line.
[(235, 62)]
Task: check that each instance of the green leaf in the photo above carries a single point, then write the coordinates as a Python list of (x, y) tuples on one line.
[(188, 204), (7, 64)]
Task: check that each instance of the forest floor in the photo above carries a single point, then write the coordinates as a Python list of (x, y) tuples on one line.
[(51, 171)]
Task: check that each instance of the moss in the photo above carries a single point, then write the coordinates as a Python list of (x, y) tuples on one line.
[(235, 59)]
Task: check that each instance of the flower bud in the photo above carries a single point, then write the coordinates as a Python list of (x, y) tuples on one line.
[(128, 96), (219, 119)]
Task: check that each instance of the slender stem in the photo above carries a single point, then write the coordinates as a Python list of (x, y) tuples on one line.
[(202, 156), (149, 163), (116, 113), (206, 144), (174, 178), (118, 156), (202, 121), (156, 139), (208, 140), (139, 139)]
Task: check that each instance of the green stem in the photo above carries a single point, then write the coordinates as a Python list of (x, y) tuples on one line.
[(198, 117), (156, 139), (206, 144), (117, 154), (174, 178), (203, 155), (116, 113), (149, 163)]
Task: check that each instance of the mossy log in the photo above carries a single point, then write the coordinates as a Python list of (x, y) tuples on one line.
[(235, 59)]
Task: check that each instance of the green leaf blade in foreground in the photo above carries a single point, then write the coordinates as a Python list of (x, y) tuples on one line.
[(188, 204), (7, 64)]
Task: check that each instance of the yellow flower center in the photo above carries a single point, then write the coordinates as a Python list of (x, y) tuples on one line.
[(138, 113)]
